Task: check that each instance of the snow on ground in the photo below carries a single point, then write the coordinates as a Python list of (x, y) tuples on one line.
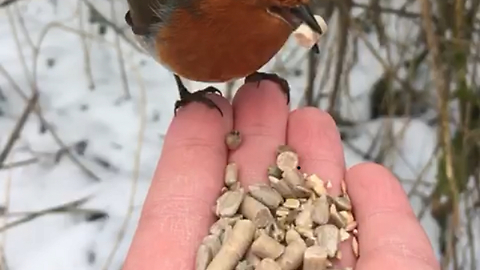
[(105, 130)]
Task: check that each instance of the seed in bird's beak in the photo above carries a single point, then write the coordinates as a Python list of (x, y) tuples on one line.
[(304, 13)]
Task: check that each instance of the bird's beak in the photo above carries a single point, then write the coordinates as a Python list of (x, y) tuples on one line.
[(303, 13), (295, 16)]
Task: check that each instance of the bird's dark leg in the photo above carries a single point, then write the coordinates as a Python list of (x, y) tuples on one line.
[(199, 96), (259, 76)]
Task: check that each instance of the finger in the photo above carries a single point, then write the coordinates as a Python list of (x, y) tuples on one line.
[(177, 211), (260, 114), (389, 233), (314, 136)]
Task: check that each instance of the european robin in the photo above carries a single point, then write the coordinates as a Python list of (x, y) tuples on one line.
[(216, 40)]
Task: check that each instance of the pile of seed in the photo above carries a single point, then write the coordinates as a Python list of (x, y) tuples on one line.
[(292, 223)]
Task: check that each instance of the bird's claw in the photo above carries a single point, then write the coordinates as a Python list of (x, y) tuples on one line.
[(259, 76), (201, 97)]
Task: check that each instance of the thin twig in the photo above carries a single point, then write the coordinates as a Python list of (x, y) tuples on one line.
[(16, 164), (442, 93), (121, 60), (18, 128), (344, 8), (62, 207), (311, 75), (86, 51)]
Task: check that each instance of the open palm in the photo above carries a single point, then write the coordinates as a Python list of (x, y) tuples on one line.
[(178, 209)]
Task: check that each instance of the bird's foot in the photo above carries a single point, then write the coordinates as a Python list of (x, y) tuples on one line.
[(259, 76), (198, 96)]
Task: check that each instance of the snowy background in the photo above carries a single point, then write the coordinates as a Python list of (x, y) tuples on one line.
[(97, 133)]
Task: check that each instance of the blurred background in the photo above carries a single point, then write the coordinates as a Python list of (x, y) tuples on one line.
[(83, 112)]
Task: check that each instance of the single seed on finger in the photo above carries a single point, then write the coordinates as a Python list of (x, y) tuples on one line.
[(328, 236), (315, 258), (233, 139), (266, 195), (203, 258), (320, 211), (256, 212), (231, 174), (287, 160), (268, 264), (292, 257), (235, 247), (266, 247), (293, 177), (282, 187), (229, 202)]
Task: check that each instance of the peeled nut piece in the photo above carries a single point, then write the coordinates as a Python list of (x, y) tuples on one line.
[(320, 211), (266, 195), (292, 257), (233, 139), (203, 258), (231, 174), (328, 236), (306, 37), (266, 247), (315, 258), (287, 160), (229, 202), (235, 246), (256, 212)]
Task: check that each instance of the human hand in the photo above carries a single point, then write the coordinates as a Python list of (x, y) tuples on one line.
[(178, 209)]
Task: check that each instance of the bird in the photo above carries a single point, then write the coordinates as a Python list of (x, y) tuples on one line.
[(216, 41)]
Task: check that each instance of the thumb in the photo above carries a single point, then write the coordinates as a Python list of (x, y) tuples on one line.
[(389, 234)]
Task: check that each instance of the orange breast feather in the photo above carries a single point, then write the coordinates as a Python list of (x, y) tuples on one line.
[(225, 40)]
